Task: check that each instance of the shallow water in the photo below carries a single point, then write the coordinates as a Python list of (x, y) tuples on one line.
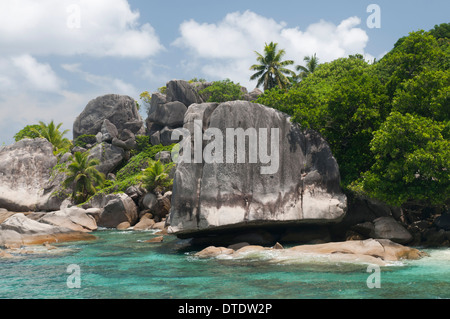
[(120, 265)]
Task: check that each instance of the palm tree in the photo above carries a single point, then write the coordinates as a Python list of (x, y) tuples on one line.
[(83, 176), (52, 134), (156, 178), (271, 69), (312, 62)]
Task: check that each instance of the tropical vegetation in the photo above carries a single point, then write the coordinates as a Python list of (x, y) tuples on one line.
[(271, 71), (387, 122), (83, 176)]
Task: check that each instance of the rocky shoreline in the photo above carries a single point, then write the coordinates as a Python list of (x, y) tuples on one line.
[(211, 203)]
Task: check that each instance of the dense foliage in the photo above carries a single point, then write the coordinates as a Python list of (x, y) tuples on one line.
[(51, 132), (131, 173), (155, 177), (83, 176), (28, 131), (387, 123), (223, 91)]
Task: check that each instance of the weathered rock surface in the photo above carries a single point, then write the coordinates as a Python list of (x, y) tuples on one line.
[(389, 228), (211, 196), (170, 114), (380, 252), (25, 171), (117, 208), (110, 156), (74, 218), (185, 92), (20, 230), (119, 110)]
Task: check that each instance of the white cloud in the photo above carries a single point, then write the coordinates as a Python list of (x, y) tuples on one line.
[(38, 75), (104, 84), (227, 47), (64, 27)]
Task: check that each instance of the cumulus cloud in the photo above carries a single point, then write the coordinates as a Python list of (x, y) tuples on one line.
[(95, 28), (227, 47), (39, 76)]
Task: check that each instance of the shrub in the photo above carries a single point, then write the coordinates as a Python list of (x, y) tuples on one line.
[(223, 91)]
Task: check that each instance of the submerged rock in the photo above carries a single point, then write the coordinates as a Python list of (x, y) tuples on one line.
[(380, 252), (301, 183)]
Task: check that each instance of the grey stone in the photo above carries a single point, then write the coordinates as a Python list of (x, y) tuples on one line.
[(110, 157), (166, 136), (117, 109), (389, 228), (214, 196), (184, 92), (169, 114), (164, 157), (109, 131), (253, 95), (118, 209), (25, 171), (155, 139)]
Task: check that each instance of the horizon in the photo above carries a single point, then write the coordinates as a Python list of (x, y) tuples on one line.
[(56, 56)]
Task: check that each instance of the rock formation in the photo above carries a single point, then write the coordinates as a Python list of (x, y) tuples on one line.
[(304, 187), (380, 252), (20, 230), (119, 110), (167, 111), (25, 172)]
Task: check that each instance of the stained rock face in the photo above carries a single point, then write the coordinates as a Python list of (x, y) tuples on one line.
[(25, 171), (294, 179)]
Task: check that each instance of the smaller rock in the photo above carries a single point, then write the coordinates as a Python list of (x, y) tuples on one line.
[(158, 239), (443, 221), (109, 131), (238, 245), (123, 226), (144, 223), (99, 137), (160, 225), (389, 228), (278, 246), (164, 157), (155, 139), (78, 149), (212, 252)]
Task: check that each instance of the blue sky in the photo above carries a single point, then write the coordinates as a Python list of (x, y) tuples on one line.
[(57, 55)]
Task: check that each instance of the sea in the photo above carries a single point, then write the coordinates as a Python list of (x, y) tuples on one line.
[(122, 265)]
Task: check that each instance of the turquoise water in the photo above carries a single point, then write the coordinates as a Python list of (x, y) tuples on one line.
[(120, 265)]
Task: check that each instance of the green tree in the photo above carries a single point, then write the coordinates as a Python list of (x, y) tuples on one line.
[(412, 161), (155, 177), (28, 131), (426, 95), (52, 134), (271, 71), (411, 55), (223, 91), (146, 98), (83, 176), (312, 62)]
